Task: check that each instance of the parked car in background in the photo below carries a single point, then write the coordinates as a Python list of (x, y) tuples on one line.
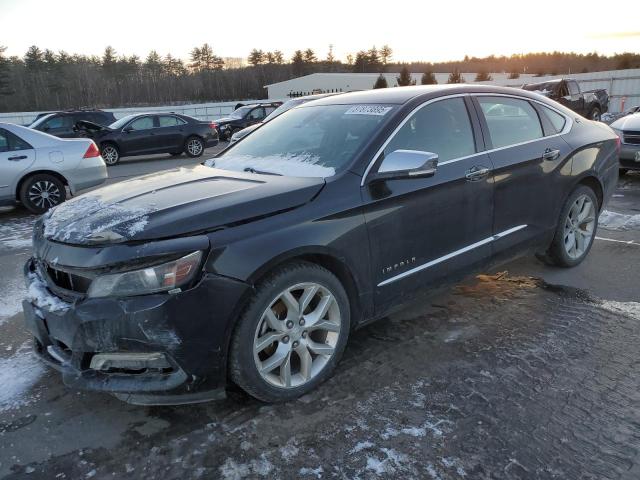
[(609, 118), (148, 133), (36, 168), (63, 124), (278, 111), (243, 117), (254, 267), (628, 129), (590, 104)]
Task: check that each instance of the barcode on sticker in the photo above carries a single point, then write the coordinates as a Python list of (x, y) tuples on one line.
[(368, 110)]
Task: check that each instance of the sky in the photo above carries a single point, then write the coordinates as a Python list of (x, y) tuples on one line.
[(416, 30)]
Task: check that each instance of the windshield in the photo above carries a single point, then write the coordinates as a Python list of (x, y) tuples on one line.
[(240, 112), (313, 141), (122, 122), (41, 120), (283, 108)]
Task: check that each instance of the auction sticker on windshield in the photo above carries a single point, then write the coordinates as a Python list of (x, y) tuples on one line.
[(368, 110)]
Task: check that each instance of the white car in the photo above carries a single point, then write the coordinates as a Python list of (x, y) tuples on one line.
[(36, 168)]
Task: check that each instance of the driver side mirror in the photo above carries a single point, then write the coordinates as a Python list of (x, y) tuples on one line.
[(401, 164)]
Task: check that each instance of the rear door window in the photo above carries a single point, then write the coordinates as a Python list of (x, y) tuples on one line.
[(556, 120), (59, 121), (144, 123), (167, 121), (510, 121), (441, 127), (257, 114), (11, 143)]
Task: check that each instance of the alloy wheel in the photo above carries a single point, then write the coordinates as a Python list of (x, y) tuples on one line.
[(297, 335), (194, 146), (579, 227), (44, 194), (110, 155)]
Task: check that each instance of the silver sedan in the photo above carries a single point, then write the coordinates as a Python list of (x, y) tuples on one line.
[(37, 168), (628, 129)]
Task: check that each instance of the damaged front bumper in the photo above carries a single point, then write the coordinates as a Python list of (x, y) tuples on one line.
[(150, 349)]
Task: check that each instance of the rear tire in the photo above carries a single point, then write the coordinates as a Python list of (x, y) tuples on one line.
[(110, 154), (576, 229), (595, 114), (41, 192), (194, 147), (284, 346)]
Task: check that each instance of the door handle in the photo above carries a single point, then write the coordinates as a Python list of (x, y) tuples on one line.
[(476, 173), (550, 154), (19, 157)]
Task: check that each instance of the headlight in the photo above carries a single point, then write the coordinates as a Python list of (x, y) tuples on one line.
[(160, 278)]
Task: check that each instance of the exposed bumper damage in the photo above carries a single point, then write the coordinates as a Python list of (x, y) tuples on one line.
[(151, 349)]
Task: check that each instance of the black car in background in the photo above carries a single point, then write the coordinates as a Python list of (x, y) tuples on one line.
[(590, 104), (62, 124), (143, 134), (254, 267), (243, 117)]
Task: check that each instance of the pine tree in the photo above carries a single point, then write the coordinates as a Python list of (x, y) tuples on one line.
[(309, 56), (256, 57), (278, 57), (455, 77), (385, 54), (404, 79), (297, 63), (483, 76), (428, 78), (5, 73), (381, 82)]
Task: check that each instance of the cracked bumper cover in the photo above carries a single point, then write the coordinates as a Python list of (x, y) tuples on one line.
[(188, 329)]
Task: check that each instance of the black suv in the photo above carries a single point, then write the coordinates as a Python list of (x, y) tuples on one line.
[(243, 117), (142, 134), (62, 124)]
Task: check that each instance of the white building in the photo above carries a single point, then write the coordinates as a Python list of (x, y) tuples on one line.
[(622, 85)]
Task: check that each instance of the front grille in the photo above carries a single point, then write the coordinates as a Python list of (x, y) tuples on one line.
[(66, 280), (631, 137)]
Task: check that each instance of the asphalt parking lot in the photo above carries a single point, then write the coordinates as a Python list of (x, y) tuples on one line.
[(524, 372)]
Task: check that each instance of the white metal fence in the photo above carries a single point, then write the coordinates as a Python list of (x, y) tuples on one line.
[(203, 111)]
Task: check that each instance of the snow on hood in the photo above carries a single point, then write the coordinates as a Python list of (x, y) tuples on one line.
[(67, 222), (287, 165)]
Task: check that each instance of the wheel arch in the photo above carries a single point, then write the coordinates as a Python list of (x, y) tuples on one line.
[(327, 259), (31, 173), (593, 182)]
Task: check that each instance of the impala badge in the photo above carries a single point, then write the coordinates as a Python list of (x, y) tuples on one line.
[(399, 265)]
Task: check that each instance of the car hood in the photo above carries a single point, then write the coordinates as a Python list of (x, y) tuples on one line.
[(630, 122), (225, 120), (87, 125), (175, 203)]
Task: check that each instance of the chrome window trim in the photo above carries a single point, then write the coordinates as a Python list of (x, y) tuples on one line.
[(450, 255), (567, 127)]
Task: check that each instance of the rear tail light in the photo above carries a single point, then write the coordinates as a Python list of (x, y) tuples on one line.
[(618, 143), (92, 151)]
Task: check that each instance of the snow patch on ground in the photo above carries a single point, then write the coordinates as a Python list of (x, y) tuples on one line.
[(13, 291), (41, 297), (288, 165), (87, 215), (232, 470), (630, 309), (15, 233), (18, 374), (306, 471), (618, 221)]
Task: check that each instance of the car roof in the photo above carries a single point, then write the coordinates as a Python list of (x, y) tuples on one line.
[(401, 95)]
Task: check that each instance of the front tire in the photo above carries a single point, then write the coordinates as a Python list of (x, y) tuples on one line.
[(110, 154), (576, 229), (194, 147), (41, 192), (291, 335)]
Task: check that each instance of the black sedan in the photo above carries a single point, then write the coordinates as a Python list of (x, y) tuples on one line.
[(144, 134), (254, 267)]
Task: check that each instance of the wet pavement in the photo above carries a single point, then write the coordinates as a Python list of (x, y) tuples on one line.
[(526, 372)]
